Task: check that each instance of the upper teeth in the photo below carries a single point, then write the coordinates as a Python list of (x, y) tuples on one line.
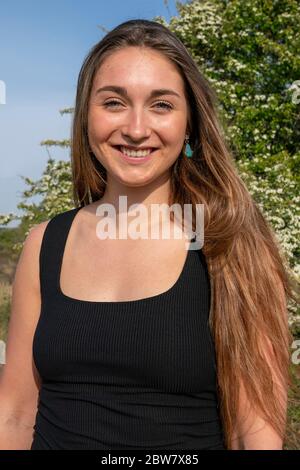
[(134, 153)]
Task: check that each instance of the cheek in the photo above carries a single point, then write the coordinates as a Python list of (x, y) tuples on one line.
[(97, 127), (100, 125), (173, 130), (175, 141)]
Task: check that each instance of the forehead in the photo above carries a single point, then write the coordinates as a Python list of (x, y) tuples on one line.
[(142, 67)]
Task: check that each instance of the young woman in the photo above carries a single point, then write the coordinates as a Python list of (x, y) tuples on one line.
[(130, 343)]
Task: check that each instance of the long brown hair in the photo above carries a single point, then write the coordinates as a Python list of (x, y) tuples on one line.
[(249, 280)]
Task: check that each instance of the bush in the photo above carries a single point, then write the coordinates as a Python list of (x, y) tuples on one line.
[(5, 304)]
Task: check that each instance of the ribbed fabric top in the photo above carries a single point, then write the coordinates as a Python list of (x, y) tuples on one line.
[(138, 374)]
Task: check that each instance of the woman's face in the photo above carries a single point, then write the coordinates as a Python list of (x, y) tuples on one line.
[(134, 118)]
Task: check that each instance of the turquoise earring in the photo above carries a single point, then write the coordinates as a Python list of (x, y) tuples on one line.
[(188, 150)]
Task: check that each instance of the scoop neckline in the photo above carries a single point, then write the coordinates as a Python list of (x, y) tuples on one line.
[(152, 298)]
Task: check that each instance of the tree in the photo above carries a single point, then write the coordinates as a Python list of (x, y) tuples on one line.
[(55, 190)]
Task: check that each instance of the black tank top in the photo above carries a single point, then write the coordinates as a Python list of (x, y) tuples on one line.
[(138, 374)]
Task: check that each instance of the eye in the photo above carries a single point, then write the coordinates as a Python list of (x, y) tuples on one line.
[(108, 103), (165, 104), (112, 104)]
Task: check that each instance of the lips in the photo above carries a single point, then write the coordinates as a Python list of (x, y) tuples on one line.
[(134, 160), (118, 147)]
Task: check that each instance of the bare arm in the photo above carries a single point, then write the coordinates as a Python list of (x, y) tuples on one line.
[(256, 433), (19, 379)]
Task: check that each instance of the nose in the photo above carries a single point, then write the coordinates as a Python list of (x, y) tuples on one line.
[(136, 127)]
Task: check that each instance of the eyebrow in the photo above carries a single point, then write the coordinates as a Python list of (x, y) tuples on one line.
[(123, 92)]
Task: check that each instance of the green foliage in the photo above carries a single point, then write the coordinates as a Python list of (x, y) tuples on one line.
[(5, 305), (295, 330), (55, 188), (8, 236), (249, 51), (293, 411)]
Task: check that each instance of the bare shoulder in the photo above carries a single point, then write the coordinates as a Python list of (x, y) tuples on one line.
[(36, 232), (29, 257)]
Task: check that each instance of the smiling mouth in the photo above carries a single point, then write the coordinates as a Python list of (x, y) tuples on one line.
[(134, 159), (118, 147)]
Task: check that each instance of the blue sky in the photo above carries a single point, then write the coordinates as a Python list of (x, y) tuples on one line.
[(42, 47)]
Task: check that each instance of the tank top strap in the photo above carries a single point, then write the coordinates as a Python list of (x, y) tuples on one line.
[(51, 252)]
